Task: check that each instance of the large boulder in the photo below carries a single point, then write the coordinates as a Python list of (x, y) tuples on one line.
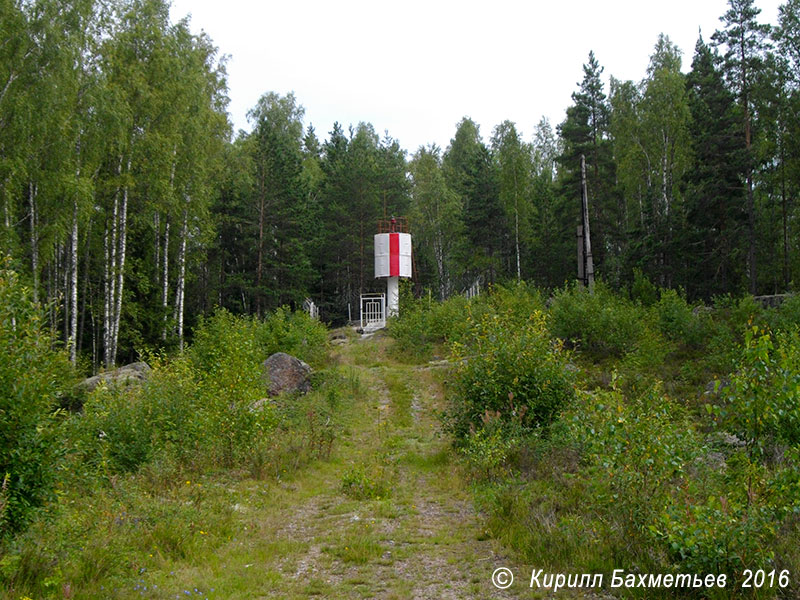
[(129, 374), (285, 373)]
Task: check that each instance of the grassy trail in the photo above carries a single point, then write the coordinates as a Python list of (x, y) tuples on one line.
[(404, 527)]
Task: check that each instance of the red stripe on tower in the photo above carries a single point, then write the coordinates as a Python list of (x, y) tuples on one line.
[(394, 255)]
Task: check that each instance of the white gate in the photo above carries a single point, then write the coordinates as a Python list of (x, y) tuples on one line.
[(373, 311)]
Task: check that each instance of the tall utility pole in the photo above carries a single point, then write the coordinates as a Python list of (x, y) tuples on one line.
[(586, 268)]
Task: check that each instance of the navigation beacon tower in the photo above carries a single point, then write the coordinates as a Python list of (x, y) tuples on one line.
[(392, 258)]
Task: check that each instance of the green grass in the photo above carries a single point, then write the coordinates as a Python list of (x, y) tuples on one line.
[(386, 513)]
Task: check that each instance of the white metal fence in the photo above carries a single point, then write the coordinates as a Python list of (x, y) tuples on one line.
[(373, 311)]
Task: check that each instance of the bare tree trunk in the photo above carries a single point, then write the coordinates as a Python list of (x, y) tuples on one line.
[(123, 235), (165, 281), (64, 254), (110, 246), (587, 243), (84, 294), (32, 191), (751, 210), (261, 210), (438, 253), (157, 236), (72, 342), (7, 218), (179, 296), (785, 210), (516, 240), (106, 296)]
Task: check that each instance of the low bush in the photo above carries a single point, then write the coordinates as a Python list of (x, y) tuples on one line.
[(678, 322), (512, 370), (642, 290), (33, 379), (361, 483), (203, 408), (601, 323), (761, 404), (295, 333)]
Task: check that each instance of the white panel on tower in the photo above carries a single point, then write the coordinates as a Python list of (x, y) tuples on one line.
[(405, 254), (393, 255), (381, 255)]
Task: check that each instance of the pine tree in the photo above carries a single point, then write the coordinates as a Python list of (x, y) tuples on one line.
[(585, 131), (744, 40)]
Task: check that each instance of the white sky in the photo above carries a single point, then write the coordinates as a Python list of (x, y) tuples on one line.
[(416, 67)]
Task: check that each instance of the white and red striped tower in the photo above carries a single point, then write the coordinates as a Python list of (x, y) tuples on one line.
[(392, 261)]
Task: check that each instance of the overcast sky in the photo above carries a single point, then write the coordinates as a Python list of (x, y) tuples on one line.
[(416, 67)]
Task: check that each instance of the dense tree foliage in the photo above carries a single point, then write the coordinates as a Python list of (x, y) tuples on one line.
[(131, 212)]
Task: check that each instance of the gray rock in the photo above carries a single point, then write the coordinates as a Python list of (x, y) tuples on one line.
[(133, 373), (261, 404), (702, 310), (285, 373), (719, 384)]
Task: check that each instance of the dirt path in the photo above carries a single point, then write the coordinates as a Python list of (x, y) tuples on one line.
[(388, 516)]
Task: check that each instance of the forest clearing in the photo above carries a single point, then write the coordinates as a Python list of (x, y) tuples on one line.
[(469, 436), (476, 415)]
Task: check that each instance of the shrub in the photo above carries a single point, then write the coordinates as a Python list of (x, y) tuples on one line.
[(32, 379), (512, 370), (121, 429), (635, 448), (198, 408), (227, 357), (730, 520), (601, 323), (492, 449), (295, 333), (642, 290), (787, 316), (412, 331), (762, 402), (359, 484), (677, 321)]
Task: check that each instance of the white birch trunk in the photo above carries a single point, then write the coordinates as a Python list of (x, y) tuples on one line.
[(181, 279), (106, 295), (73, 298), (157, 229), (123, 235), (110, 272), (34, 240), (438, 252), (165, 281)]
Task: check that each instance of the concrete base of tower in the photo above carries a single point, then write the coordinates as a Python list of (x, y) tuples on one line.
[(392, 296)]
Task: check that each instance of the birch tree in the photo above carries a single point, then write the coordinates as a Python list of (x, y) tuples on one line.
[(435, 216), (514, 173)]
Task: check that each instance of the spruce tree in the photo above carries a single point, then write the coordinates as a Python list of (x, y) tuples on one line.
[(744, 40), (715, 192)]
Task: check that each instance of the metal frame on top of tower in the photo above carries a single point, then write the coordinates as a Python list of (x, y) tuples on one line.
[(393, 225)]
